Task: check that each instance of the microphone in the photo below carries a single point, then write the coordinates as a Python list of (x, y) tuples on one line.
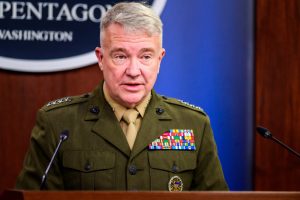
[(268, 135), (62, 137)]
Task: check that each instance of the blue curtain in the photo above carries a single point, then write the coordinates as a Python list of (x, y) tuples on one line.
[(209, 63)]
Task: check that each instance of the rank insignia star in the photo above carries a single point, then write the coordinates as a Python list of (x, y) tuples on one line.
[(59, 101), (174, 139)]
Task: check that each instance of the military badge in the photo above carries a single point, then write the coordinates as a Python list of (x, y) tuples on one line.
[(59, 101), (175, 184), (191, 105), (174, 139)]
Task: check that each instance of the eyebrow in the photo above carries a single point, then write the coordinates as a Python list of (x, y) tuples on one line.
[(118, 50), (125, 51), (147, 50)]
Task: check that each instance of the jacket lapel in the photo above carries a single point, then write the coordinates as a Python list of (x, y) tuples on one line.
[(155, 122), (107, 125)]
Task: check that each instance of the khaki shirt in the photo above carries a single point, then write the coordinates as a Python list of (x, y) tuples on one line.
[(96, 155), (119, 110)]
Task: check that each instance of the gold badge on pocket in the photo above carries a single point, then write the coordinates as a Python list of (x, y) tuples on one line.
[(175, 184)]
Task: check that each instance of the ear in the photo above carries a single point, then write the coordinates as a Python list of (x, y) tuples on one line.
[(99, 54), (162, 54)]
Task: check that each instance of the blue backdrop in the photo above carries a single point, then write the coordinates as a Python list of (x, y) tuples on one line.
[(209, 63)]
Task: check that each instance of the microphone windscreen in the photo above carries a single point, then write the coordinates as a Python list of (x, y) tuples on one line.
[(64, 135), (264, 132)]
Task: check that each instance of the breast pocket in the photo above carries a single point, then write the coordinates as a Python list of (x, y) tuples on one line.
[(165, 164), (88, 170)]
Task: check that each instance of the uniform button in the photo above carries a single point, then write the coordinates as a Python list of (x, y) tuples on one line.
[(132, 170), (87, 167), (159, 111), (95, 110), (174, 168)]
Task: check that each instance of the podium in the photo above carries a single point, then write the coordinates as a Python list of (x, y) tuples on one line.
[(109, 195)]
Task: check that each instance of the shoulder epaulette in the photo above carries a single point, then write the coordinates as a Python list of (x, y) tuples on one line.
[(184, 104), (65, 101)]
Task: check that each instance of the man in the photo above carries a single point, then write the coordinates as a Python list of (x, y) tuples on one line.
[(168, 145)]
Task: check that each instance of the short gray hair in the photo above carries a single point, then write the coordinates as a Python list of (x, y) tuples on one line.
[(133, 17)]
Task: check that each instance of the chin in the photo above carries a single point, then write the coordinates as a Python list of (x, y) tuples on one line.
[(133, 101)]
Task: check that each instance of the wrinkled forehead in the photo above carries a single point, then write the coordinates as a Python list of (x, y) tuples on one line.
[(116, 29)]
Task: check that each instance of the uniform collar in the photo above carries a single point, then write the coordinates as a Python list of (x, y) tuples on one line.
[(119, 109)]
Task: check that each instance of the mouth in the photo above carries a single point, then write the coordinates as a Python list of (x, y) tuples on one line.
[(132, 86)]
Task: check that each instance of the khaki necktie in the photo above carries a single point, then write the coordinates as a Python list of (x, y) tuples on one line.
[(129, 117)]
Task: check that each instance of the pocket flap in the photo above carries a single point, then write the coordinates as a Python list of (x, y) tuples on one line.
[(167, 160), (88, 160)]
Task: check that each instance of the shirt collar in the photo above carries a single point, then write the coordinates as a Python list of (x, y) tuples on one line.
[(141, 108), (119, 109)]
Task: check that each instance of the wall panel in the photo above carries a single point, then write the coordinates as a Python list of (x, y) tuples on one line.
[(21, 96), (278, 93)]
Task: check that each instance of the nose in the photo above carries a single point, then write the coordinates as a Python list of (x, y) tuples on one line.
[(134, 68)]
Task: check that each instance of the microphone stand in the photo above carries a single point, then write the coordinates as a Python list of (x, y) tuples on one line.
[(267, 134), (63, 136)]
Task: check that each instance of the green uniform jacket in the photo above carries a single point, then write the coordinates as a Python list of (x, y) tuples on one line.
[(96, 156)]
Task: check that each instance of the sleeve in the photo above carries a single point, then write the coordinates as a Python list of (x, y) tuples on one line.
[(42, 145), (208, 174)]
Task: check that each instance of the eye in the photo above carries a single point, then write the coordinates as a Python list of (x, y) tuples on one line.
[(147, 58), (119, 58)]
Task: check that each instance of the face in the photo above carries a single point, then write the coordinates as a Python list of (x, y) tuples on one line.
[(130, 64)]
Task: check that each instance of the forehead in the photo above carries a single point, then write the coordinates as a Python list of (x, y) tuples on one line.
[(115, 34)]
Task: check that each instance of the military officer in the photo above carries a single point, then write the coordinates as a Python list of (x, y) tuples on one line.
[(123, 135)]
